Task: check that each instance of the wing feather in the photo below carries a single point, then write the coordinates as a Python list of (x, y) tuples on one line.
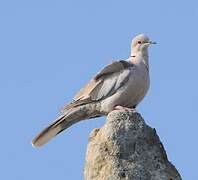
[(104, 89), (104, 84)]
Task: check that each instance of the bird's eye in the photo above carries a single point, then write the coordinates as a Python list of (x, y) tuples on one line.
[(139, 42)]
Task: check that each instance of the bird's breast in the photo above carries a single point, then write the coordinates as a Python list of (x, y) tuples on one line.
[(131, 93), (138, 85)]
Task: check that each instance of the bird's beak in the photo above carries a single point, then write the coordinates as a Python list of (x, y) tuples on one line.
[(152, 42)]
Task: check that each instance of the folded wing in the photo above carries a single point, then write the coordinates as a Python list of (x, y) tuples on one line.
[(104, 84)]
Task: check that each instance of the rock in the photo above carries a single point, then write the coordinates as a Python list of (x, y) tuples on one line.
[(125, 148)]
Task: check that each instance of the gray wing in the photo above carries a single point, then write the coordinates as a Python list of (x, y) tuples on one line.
[(104, 84)]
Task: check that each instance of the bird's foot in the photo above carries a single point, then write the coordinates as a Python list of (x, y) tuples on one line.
[(125, 108)]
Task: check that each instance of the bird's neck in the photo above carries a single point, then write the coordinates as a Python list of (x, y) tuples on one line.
[(139, 57)]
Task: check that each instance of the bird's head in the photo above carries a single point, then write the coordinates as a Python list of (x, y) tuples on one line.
[(140, 43)]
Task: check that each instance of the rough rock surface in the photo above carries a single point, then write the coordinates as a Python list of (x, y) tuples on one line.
[(125, 148)]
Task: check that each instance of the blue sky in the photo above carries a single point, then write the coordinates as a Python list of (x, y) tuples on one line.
[(50, 49)]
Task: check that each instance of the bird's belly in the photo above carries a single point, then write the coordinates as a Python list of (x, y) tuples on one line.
[(137, 89), (130, 94)]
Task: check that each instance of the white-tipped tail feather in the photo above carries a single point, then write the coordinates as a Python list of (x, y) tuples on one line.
[(49, 132), (70, 117)]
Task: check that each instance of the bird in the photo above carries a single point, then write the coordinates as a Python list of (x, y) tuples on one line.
[(121, 85)]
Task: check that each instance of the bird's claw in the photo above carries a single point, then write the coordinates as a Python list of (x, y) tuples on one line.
[(125, 108)]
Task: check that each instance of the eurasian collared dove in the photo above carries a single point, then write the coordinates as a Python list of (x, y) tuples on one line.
[(121, 84)]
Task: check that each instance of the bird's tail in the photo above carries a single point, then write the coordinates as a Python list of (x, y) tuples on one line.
[(64, 121)]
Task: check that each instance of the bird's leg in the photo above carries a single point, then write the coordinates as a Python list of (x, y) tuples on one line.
[(124, 108)]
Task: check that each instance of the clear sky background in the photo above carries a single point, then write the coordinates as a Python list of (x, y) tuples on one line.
[(50, 49)]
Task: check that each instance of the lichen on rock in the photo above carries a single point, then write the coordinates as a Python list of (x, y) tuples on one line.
[(126, 148)]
